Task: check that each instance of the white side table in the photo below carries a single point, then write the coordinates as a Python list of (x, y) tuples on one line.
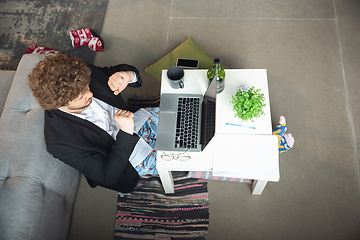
[(229, 140)]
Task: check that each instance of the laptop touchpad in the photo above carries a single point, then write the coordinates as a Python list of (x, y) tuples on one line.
[(167, 120)]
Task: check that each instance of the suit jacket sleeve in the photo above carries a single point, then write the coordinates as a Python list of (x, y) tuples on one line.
[(108, 71), (103, 169)]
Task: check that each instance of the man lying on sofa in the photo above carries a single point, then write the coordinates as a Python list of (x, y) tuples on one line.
[(87, 125)]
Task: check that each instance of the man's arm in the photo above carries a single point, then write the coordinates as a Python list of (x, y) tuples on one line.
[(120, 80), (102, 169), (109, 71)]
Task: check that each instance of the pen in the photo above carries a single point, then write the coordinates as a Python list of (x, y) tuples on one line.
[(232, 124)]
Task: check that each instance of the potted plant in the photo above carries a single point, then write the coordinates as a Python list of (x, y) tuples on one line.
[(248, 103)]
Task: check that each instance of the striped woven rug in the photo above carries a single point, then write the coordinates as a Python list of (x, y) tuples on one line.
[(148, 213)]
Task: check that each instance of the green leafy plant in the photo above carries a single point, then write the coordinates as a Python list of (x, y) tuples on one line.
[(248, 103)]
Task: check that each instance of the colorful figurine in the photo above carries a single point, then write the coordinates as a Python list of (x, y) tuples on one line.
[(286, 140)]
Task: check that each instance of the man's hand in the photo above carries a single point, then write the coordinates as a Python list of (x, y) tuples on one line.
[(119, 81), (125, 120)]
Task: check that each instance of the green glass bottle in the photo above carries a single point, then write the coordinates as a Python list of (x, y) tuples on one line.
[(220, 72)]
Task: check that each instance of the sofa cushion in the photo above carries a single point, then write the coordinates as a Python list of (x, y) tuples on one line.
[(37, 191)]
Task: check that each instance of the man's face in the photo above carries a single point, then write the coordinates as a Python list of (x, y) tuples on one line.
[(81, 103)]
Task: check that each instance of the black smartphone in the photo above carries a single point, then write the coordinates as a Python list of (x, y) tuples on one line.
[(187, 63)]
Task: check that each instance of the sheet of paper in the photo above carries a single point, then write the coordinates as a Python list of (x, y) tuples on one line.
[(246, 156)]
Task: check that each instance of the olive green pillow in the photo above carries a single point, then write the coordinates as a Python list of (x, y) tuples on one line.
[(188, 49)]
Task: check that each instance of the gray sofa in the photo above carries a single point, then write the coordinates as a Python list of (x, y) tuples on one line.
[(37, 191)]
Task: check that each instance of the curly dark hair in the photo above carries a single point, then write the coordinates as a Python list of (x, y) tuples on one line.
[(58, 80)]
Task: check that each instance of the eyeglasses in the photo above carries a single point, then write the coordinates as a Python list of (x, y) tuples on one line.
[(169, 156)]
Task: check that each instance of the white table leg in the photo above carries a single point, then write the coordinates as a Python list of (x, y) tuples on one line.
[(258, 186), (166, 180)]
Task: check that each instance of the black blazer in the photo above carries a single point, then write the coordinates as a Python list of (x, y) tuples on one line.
[(89, 149)]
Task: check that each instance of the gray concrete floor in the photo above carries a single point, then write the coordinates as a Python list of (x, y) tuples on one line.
[(311, 50)]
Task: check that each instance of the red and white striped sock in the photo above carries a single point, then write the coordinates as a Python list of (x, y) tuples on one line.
[(79, 36), (84, 37), (94, 44), (40, 50)]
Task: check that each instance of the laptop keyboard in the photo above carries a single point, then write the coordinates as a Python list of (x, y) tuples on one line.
[(187, 124)]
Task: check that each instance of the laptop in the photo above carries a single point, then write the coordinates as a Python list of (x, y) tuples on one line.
[(186, 121)]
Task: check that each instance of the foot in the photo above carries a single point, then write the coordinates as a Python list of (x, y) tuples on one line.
[(84, 37), (40, 50), (79, 36), (286, 143), (94, 44), (281, 128)]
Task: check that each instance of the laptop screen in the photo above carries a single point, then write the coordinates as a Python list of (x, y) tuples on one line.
[(208, 116)]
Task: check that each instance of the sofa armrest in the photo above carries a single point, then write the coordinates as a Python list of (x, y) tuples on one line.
[(6, 78)]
